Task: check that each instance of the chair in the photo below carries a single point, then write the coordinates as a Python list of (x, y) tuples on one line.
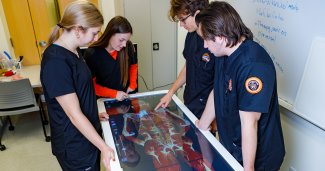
[(17, 97)]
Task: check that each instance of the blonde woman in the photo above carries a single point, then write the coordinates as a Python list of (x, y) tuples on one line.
[(69, 92)]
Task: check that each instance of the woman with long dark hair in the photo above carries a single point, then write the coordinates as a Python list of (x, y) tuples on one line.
[(112, 61)]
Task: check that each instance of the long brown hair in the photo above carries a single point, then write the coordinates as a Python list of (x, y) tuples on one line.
[(82, 14), (118, 24), (221, 19)]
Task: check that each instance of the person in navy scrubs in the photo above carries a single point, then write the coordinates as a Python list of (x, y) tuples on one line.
[(198, 71), (69, 91), (244, 100)]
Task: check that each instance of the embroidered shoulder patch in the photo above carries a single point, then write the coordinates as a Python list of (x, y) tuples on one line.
[(253, 85), (206, 57)]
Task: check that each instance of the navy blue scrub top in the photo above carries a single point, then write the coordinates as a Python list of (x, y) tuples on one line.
[(62, 72), (199, 73), (246, 81)]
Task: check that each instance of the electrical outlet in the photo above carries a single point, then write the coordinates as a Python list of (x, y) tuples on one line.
[(292, 168)]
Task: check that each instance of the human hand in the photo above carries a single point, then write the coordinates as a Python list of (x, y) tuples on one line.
[(107, 155), (123, 108), (164, 101), (120, 96), (129, 90), (198, 125), (103, 116)]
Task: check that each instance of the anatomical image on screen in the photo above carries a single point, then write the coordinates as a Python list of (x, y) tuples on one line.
[(163, 139)]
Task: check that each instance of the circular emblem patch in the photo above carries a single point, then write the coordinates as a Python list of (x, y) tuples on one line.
[(206, 57), (253, 85)]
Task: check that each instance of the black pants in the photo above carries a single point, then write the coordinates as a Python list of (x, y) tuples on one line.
[(90, 163)]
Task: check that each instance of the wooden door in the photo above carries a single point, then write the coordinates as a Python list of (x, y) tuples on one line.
[(29, 28), (41, 22), (21, 30)]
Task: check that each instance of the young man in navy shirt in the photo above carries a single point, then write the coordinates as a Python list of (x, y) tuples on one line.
[(245, 93), (198, 71)]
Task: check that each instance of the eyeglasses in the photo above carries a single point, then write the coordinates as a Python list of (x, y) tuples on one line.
[(184, 19)]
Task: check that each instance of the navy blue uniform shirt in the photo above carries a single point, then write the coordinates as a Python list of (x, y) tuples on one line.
[(246, 81), (199, 73), (62, 72)]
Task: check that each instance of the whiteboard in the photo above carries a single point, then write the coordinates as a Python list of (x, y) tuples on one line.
[(310, 101), (286, 29)]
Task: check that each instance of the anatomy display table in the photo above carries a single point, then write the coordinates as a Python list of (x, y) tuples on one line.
[(165, 139)]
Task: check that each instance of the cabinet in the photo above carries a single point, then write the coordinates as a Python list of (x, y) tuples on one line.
[(153, 30)]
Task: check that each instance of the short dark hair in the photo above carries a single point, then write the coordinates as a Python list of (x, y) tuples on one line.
[(185, 7), (221, 19)]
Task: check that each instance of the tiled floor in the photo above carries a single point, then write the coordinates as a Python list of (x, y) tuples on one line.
[(26, 146)]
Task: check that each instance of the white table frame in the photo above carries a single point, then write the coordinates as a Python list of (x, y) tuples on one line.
[(108, 137)]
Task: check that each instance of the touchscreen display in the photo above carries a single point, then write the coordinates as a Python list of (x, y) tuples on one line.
[(163, 139)]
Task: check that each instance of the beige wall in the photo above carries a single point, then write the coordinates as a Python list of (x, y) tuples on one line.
[(107, 8), (119, 8), (181, 35)]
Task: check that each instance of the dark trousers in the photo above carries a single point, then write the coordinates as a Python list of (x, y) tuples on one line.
[(89, 164)]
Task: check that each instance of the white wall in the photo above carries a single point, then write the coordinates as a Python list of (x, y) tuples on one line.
[(181, 34), (4, 33), (119, 8), (304, 144), (107, 8)]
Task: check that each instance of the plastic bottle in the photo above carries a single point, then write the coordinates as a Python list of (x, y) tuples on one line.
[(2, 67), (5, 63)]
